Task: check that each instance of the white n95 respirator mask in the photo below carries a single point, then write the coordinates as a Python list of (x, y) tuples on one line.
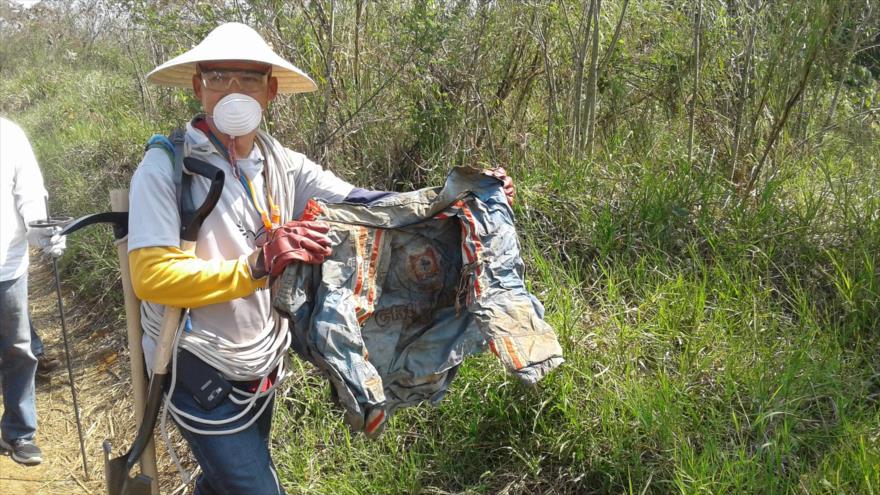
[(236, 115)]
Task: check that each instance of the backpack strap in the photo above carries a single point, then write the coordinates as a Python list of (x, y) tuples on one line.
[(182, 180), (173, 146), (163, 143)]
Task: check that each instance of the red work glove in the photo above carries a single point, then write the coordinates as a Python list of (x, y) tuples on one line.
[(501, 174), (305, 242)]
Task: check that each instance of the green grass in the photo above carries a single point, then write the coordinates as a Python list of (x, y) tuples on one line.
[(709, 349), (713, 343)]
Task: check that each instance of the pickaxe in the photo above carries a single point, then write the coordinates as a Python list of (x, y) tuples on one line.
[(119, 221), (118, 479)]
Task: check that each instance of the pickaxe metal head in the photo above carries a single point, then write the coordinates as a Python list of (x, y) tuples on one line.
[(119, 220)]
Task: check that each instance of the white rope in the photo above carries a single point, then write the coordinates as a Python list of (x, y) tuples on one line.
[(237, 362), (276, 172), (249, 399)]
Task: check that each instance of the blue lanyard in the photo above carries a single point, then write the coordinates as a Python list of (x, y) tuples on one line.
[(249, 188), (241, 177)]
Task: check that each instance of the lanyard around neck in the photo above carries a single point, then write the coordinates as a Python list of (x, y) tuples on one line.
[(270, 223)]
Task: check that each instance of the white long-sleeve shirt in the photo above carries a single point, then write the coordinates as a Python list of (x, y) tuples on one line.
[(22, 198)]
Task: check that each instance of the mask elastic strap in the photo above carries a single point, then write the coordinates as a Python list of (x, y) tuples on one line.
[(233, 160)]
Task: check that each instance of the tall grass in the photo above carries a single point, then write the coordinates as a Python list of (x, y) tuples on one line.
[(710, 348), (715, 342)]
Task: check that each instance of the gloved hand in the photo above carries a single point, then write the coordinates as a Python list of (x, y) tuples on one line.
[(47, 239), (501, 174), (305, 242)]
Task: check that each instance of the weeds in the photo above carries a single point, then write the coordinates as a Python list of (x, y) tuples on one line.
[(717, 341)]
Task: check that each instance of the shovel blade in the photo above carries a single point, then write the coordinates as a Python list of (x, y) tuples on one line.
[(117, 478)]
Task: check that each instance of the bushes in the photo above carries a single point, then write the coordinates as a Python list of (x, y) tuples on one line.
[(718, 338), (88, 133)]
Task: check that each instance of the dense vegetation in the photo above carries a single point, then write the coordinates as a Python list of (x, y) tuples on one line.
[(699, 203)]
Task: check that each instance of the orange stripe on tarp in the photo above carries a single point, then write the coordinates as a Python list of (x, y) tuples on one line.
[(372, 425), (473, 229), (450, 211), (360, 247), (371, 274), (465, 247), (478, 246), (512, 352), (493, 349)]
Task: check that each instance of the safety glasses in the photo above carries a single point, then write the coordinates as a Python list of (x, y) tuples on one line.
[(246, 80)]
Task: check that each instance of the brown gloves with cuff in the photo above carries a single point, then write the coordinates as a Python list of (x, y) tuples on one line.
[(306, 242)]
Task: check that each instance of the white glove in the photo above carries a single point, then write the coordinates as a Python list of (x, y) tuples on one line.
[(48, 239)]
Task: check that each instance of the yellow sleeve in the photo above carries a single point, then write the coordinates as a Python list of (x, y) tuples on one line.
[(170, 276)]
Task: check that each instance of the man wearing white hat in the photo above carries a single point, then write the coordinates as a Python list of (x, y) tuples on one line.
[(250, 234)]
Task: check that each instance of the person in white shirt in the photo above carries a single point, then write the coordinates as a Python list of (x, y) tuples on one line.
[(22, 201)]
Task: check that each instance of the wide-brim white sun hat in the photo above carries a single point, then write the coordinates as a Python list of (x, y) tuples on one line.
[(231, 41)]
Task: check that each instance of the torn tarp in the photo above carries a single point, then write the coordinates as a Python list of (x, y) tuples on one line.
[(416, 282)]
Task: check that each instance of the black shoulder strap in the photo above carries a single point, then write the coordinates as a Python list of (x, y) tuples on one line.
[(182, 180)]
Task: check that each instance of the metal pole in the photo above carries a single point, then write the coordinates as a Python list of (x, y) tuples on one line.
[(82, 448), (79, 430)]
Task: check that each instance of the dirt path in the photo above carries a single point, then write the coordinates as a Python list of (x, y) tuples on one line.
[(101, 371)]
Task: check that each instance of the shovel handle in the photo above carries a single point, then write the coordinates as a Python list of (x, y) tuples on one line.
[(168, 330), (118, 219), (50, 222), (191, 218)]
